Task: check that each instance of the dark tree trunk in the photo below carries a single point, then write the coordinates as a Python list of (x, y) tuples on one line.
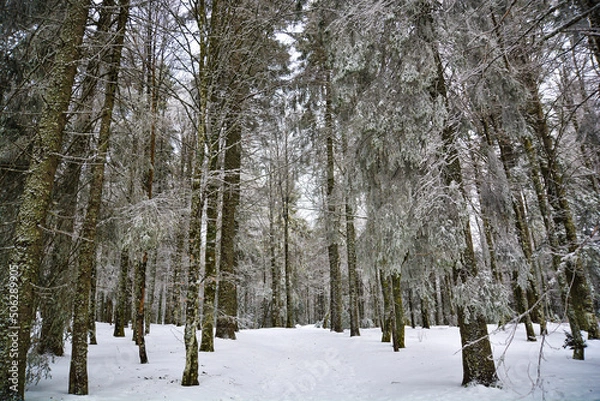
[(78, 379), (388, 307), (121, 317), (227, 295), (335, 274), (398, 329), (353, 308), (140, 299), (210, 264), (24, 266)]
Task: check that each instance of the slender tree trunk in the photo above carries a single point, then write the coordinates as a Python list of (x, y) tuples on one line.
[(335, 275), (210, 259), (425, 313), (120, 310), (411, 308), (578, 295), (192, 299), (352, 274), (275, 270), (519, 292), (92, 316), (173, 309), (148, 312), (388, 307), (78, 379), (398, 329), (140, 278), (287, 267)]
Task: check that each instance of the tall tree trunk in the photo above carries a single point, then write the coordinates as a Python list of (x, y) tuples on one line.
[(335, 274), (477, 357), (353, 308), (54, 315), (388, 307), (173, 308), (398, 329), (148, 312), (192, 299), (275, 270), (287, 267), (520, 292), (92, 316), (210, 264), (121, 317), (78, 379), (140, 297), (578, 296), (59, 275), (24, 265), (227, 295)]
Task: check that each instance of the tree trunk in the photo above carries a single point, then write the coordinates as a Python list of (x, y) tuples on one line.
[(192, 299), (398, 329), (520, 294), (578, 296), (59, 276), (121, 317), (24, 265), (149, 312), (388, 307), (78, 380), (287, 267), (210, 264), (173, 309), (92, 316), (227, 295), (353, 308), (335, 275), (478, 363), (140, 299), (275, 270)]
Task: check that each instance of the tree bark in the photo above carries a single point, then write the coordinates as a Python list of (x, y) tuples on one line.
[(388, 307), (227, 295), (24, 265), (335, 275), (121, 317), (398, 329), (78, 379), (352, 274), (578, 295), (477, 357), (210, 266), (140, 299)]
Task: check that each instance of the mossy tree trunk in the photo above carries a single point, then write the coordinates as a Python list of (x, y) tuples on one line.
[(227, 295), (388, 306), (398, 326), (78, 378), (24, 265), (577, 290)]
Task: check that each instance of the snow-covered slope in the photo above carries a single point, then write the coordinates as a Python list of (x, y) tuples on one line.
[(308, 363)]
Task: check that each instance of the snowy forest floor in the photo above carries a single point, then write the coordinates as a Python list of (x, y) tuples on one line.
[(308, 363)]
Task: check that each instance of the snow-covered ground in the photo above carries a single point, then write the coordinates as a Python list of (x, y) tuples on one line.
[(308, 363)]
